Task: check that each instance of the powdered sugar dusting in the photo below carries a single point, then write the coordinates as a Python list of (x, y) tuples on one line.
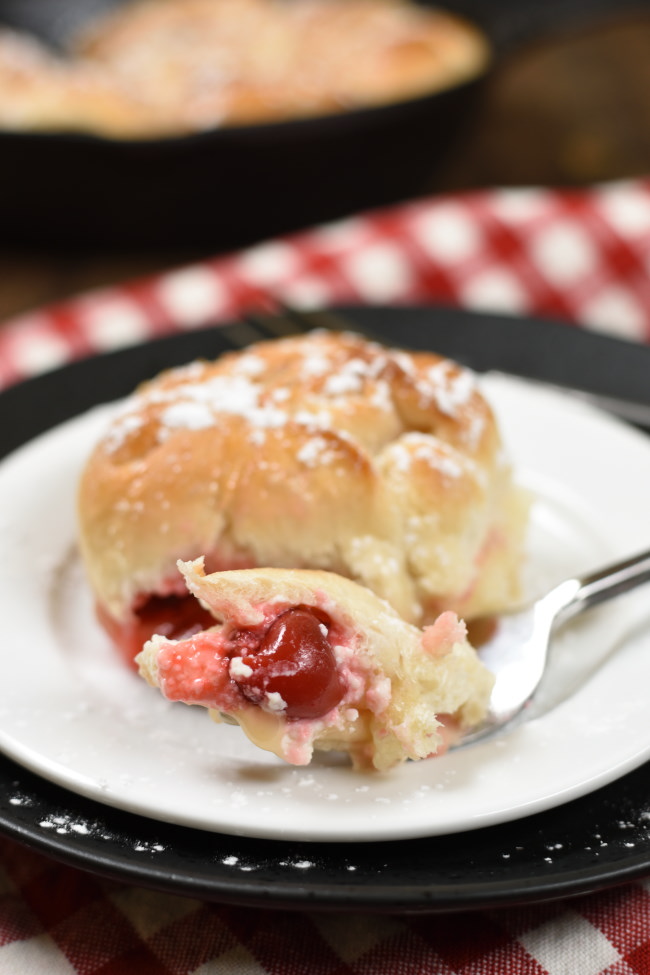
[(314, 452), (431, 451), (187, 416), (349, 379), (193, 397), (316, 363), (453, 388), (250, 365), (197, 404), (124, 426)]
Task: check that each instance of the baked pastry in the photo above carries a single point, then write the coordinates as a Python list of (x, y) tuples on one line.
[(211, 62), (306, 660), (42, 92), (170, 67), (321, 451)]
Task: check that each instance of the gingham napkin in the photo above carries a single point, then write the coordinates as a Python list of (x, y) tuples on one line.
[(580, 256), (55, 920)]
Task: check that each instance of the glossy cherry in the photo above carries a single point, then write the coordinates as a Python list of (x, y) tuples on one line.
[(174, 617), (294, 660)]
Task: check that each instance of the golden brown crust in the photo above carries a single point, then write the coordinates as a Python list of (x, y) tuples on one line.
[(40, 92), (321, 451), (238, 61), (164, 66)]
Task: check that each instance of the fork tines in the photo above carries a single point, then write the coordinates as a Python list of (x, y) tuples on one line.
[(286, 320)]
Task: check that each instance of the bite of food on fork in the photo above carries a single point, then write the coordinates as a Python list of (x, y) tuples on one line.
[(308, 660)]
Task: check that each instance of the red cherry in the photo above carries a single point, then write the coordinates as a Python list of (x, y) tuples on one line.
[(174, 617), (294, 660)]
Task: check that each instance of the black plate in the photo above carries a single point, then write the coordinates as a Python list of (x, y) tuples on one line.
[(229, 187), (591, 843)]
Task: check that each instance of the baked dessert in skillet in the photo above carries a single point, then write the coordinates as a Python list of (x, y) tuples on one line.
[(154, 68), (42, 92)]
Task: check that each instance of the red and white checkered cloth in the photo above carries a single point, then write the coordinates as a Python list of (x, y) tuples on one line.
[(581, 256)]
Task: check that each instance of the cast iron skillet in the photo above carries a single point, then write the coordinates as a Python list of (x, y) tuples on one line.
[(227, 188)]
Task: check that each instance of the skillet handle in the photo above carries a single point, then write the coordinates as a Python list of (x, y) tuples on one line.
[(511, 24)]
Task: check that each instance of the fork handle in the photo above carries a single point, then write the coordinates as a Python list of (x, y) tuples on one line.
[(613, 580)]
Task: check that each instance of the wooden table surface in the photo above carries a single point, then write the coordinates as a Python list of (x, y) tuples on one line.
[(570, 111)]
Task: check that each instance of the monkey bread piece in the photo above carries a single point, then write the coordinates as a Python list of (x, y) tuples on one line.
[(323, 451), (307, 660)]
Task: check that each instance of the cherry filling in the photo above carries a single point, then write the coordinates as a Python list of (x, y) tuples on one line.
[(174, 617), (295, 661)]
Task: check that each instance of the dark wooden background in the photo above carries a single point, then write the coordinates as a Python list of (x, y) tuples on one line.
[(571, 110)]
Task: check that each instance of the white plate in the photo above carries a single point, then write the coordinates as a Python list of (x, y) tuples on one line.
[(70, 711)]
